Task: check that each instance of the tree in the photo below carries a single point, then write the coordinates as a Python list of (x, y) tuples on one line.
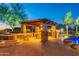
[(12, 14), (68, 21), (76, 22)]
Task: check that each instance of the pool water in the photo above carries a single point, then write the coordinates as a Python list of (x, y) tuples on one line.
[(74, 40)]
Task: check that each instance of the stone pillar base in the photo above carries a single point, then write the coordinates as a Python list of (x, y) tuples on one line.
[(44, 36)]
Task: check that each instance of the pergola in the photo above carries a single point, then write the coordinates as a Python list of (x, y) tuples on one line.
[(40, 26)]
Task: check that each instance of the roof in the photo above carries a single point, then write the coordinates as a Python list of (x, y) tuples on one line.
[(38, 21)]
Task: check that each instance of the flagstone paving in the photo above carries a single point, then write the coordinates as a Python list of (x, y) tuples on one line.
[(37, 49)]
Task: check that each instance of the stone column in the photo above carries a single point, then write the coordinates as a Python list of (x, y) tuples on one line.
[(23, 28), (44, 33), (32, 33), (58, 33), (54, 35), (37, 32)]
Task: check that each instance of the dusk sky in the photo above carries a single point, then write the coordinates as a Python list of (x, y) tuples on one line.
[(52, 11)]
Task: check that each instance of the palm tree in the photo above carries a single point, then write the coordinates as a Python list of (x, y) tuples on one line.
[(68, 21), (76, 22)]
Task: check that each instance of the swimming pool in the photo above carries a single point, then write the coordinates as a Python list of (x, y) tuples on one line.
[(74, 40)]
